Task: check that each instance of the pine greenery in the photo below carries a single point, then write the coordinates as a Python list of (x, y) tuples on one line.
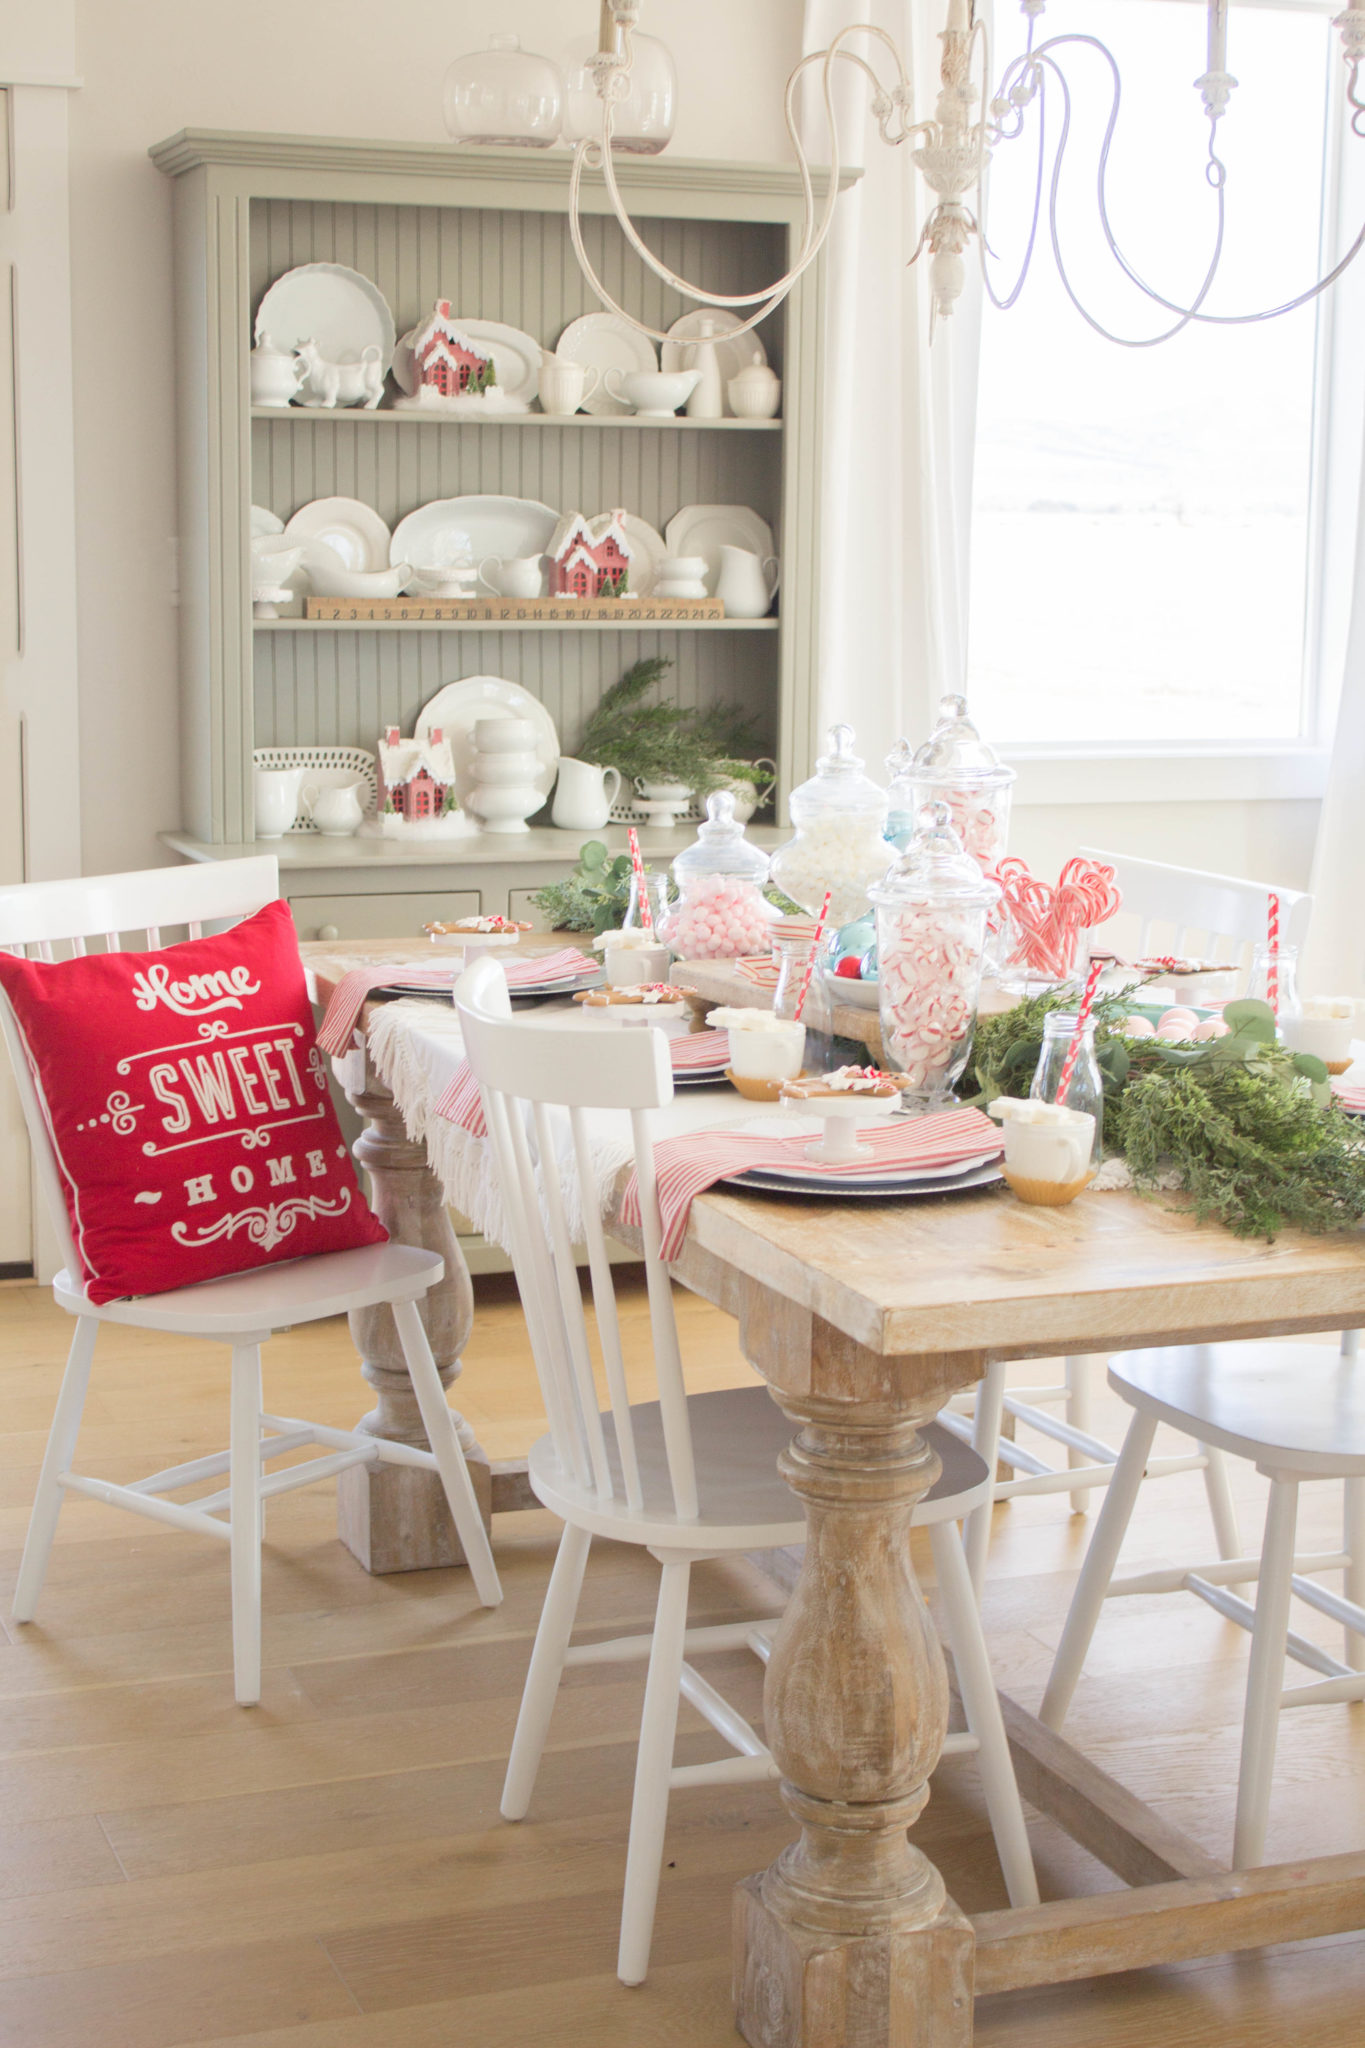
[(662, 742)]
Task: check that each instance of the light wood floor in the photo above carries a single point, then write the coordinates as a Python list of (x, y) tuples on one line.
[(329, 1871)]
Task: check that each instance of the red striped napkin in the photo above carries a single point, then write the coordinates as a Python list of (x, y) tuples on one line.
[(353, 990), (460, 1103), (686, 1166), (1349, 1095)]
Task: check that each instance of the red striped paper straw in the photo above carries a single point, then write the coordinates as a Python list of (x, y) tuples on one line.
[(1073, 1051), (646, 915), (1272, 968), (814, 955)]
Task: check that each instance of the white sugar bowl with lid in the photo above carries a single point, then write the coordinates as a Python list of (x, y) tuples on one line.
[(755, 392), (840, 820), (932, 908)]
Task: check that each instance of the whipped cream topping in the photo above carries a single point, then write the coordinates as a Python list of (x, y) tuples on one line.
[(631, 939), (725, 1019)]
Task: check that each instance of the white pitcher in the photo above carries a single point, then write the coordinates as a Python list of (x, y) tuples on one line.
[(584, 795), (334, 808), (276, 791), (746, 584)]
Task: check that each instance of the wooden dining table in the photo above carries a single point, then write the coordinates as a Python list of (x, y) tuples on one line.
[(865, 1320)]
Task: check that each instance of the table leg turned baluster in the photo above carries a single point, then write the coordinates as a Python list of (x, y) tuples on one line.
[(849, 1937), (394, 1517)]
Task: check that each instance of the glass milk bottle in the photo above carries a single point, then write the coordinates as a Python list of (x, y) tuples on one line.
[(956, 767), (840, 820), (932, 909), (1085, 1089), (1274, 979)]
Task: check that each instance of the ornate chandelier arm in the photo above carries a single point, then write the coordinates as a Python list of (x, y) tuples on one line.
[(891, 109)]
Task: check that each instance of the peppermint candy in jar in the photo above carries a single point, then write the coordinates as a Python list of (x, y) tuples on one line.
[(840, 820), (956, 767), (932, 910)]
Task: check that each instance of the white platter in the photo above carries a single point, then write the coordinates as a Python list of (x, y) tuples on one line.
[(733, 352), (451, 531), (647, 554), (602, 342), (354, 531), (842, 1187), (458, 706), (343, 312), (705, 529), (264, 522), (516, 357)]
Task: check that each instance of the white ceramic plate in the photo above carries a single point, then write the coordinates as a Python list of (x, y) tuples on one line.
[(352, 530), (604, 341), (343, 312), (883, 1176), (451, 531), (264, 522), (832, 1187), (705, 529), (516, 357), (647, 554), (733, 352), (458, 707)]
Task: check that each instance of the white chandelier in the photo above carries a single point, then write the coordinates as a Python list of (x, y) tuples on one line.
[(952, 151)]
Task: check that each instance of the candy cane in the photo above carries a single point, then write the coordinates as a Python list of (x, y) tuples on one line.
[(814, 954), (1272, 976), (646, 915), (1073, 1051)]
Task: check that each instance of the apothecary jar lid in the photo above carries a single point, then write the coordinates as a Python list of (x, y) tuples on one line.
[(935, 869), (838, 787), (955, 751), (720, 847)]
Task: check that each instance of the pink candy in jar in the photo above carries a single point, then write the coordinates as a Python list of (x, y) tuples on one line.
[(722, 913), (931, 938)]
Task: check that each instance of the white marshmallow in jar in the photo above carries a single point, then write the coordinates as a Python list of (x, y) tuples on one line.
[(721, 912), (955, 766), (932, 910), (840, 844)]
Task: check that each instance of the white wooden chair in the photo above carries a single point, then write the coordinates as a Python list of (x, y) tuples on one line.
[(1177, 911), (241, 1311), (688, 1476), (1298, 1410)]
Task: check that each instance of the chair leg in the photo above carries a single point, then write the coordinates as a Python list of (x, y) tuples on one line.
[(244, 1488), (459, 1488), (1353, 1543), (1080, 1372), (1265, 1679), (1221, 1510), (981, 1704), (1111, 1526), (653, 1765), (542, 1678), (990, 1408), (61, 1449)]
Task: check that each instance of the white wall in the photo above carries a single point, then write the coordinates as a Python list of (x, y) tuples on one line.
[(153, 66), (337, 67)]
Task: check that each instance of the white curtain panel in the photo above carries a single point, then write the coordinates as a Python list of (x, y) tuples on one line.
[(1334, 959), (899, 414)]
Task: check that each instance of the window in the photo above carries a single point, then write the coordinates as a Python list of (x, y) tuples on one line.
[(1145, 521)]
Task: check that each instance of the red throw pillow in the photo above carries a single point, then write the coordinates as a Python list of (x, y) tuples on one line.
[(188, 1108)]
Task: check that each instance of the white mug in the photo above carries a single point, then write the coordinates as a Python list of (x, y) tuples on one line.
[(276, 792), (564, 385), (521, 577), (336, 809)]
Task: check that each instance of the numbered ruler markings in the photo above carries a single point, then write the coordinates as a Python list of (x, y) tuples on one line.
[(530, 611)]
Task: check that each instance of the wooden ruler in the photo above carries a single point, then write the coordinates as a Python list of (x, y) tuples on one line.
[(531, 611)]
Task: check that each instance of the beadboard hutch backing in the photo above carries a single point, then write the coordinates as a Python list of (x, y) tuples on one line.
[(489, 231)]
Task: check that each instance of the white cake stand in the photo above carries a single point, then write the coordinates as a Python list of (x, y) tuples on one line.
[(841, 1115)]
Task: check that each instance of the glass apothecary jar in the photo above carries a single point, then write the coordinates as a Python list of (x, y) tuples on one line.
[(956, 767), (643, 121), (840, 820), (504, 95), (721, 912), (902, 799), (932, 909)]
